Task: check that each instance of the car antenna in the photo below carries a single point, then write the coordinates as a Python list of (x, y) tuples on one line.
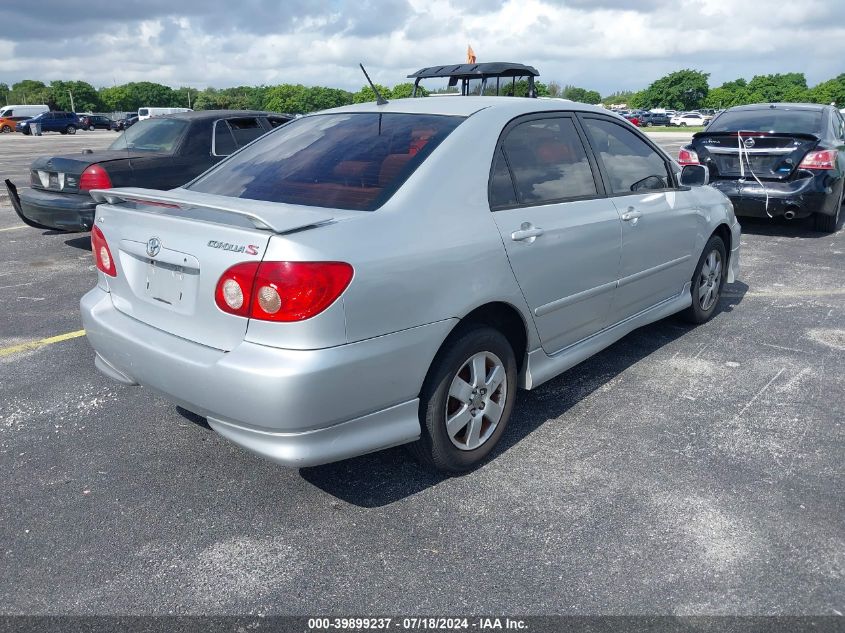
[(379, 99)]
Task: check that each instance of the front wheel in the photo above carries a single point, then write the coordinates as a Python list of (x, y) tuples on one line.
[(707, 281), (649, 124), (466, 400), (70, 129), (5, 129), (683, 124), (90, 128)]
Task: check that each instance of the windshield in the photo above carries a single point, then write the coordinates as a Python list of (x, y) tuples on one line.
[(143, 112), (152, 135), (769, 120), (344, 161)]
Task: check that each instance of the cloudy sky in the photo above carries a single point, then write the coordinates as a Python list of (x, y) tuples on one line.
[(605, 45)]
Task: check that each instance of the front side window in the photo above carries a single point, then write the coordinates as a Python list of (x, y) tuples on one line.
[(349, 161), (548, 161), (630, 162), (152, 135)]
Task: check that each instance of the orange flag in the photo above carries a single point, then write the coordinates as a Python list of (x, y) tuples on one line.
[(470, 55)]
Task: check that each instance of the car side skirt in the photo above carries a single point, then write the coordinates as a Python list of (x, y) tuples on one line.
[(542, 367)]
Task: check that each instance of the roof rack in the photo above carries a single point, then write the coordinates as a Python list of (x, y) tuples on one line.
[(485, 71)]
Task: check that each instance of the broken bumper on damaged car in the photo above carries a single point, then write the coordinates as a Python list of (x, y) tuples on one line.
[(795, 199), (49, 210)]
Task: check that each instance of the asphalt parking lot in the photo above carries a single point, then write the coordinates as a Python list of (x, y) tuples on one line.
[(681, 471)]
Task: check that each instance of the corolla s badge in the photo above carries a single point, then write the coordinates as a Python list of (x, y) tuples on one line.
[(749, 143), (153, 246)]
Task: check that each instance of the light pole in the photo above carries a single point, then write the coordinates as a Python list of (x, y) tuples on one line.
[(72, 107)]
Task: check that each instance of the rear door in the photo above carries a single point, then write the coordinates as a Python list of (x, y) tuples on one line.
[(659, 220), (561, 234)]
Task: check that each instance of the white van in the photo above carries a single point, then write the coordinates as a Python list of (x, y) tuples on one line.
[(146, 113), (23, 111)]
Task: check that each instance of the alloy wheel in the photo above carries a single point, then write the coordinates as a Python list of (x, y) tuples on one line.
[(476, 401), (709, 280)]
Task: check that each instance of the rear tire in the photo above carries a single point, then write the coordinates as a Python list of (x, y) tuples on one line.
[(707, 282), (70, 129), (91, 128), (828, 223), (466, 400), (5, 129)]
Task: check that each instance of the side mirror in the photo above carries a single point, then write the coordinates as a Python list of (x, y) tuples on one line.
[(695, 176)]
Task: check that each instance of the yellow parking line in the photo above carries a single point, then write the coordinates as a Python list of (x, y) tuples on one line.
[(13, 228), (24, 347)]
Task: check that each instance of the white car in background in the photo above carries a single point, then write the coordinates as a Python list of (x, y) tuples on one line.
[(689, 118)]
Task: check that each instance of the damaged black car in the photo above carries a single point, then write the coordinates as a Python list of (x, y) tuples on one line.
[(783, 159)]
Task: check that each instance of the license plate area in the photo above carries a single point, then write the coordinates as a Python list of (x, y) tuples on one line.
[(165, 283)]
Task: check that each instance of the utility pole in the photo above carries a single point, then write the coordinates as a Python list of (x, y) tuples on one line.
[(189, 98), (72, 107)]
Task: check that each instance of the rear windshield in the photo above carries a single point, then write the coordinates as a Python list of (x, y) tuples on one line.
[(152, 135), (350, 161), (769, 120), (143, 112)]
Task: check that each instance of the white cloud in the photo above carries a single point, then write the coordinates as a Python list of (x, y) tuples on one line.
[(600, 44)]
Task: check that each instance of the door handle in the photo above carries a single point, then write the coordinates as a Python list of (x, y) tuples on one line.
[(632, 215), (527, 232)]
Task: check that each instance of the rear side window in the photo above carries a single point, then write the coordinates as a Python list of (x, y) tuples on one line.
[(769, 120), (630, 162), (350, 161), (502, 193), (548, 162)]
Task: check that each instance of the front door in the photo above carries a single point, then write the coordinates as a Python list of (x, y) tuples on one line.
[(561, 234), (659, 220)]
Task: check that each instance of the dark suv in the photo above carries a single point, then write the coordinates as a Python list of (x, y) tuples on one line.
[(64, 122), (95, 122), (649, 119)]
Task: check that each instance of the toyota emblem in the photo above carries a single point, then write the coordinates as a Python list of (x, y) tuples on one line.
[(153, 246)]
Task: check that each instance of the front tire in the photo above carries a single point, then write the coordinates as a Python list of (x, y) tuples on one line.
[(91, 128), (5, 129), (707, 281), (466, 400)]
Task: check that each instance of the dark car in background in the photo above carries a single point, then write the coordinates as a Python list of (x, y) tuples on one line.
[(649, 119), (780, 159), (158, 153), (95, 122), (126, 122), (63, 122)]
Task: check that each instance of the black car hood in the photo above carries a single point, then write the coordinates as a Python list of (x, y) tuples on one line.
[(76, 163)]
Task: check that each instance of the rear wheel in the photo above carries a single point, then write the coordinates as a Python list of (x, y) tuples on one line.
[(828, 223), (90, 128), (707, 281), (683, 124), (70, 129), (5, 129), (466, 400)]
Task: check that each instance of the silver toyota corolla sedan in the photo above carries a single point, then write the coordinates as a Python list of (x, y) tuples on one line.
[(378, 275)]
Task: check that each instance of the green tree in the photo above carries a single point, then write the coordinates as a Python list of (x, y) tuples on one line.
[(4, 93), (116, 99), (683, 89), (404, 90), (29, 91), (366, 94), (729, 94), (830, 91), (147, 93), (580, 94), (777, 88), (85, 97), (618, 97)]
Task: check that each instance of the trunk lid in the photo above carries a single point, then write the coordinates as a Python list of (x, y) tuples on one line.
[(170, 258), (61, 173), (770, 156)]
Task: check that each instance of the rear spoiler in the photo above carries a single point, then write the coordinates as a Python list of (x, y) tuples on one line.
[(268, 216), (734, 133)]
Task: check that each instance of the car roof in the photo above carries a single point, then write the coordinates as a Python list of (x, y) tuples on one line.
[(467, 106), (218, 114), (778, 106)]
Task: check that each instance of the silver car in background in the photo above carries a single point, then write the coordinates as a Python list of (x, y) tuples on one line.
[(378, 275)]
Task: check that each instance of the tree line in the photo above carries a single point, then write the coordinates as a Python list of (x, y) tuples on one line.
[(682, 90)]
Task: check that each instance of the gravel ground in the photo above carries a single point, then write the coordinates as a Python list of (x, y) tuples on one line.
[(681, 471)]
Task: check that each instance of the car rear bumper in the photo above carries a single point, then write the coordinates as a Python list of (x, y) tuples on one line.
[(61, 211), (801, 197), (295, 407)]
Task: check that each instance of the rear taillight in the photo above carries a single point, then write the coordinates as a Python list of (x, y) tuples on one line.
[(281, 291), (687, 157), (102, 255), (820, 159), (94, 177)]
